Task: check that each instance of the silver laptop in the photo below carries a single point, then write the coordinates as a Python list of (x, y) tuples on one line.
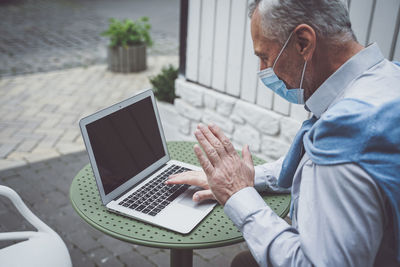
[(130, 161)]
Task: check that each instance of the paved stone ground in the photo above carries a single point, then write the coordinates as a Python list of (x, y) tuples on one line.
[(44, 187), (40, 112), (46, 35)]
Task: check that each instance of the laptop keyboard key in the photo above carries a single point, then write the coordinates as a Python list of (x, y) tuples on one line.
[(140, 208), (156, 195)]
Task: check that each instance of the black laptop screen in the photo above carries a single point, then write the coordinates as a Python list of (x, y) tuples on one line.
[(125, 143)]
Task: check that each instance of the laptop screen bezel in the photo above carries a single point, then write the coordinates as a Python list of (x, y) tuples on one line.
[(106, 198)]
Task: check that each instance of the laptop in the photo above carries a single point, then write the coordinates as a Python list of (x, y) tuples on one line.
[(130, 162)]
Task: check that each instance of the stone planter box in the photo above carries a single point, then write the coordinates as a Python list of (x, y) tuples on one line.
[(127, 59)]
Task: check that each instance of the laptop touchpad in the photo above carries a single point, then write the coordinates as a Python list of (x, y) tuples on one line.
[(187, 200)]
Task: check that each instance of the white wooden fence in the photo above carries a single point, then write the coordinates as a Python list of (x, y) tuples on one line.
[(220, 53)]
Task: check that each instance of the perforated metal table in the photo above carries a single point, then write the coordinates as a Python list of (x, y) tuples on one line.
[(214, 231)]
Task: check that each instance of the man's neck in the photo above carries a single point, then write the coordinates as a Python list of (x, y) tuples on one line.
[(328, 58)]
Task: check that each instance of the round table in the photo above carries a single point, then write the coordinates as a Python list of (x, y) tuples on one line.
[(214, 231)]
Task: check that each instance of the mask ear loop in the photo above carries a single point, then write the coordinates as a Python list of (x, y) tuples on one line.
[(283, 48), (302, 77)]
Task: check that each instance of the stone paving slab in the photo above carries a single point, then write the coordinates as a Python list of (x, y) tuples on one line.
[(39, 113), (44, 186)]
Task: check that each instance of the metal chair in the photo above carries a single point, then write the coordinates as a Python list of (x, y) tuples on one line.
[(42, 248)]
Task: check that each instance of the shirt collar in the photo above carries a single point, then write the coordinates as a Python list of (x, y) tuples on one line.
[(325, 95)]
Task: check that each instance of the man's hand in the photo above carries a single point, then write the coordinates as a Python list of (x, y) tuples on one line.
[(226, 171), (196, 178)]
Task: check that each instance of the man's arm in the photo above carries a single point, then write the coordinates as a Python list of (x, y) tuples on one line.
[(266, 177), (340, 220)]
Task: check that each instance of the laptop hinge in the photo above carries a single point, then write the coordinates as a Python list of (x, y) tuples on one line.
[(123, 193)]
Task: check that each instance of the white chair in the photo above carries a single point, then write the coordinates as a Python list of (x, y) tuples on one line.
[(43, 248)]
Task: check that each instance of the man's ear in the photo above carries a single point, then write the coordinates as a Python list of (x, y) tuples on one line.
[(305, 38)]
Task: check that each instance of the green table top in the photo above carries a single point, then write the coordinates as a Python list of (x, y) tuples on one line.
[(214, 231)]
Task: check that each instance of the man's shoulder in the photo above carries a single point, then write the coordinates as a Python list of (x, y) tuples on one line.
[(377, 85), (353, 128)]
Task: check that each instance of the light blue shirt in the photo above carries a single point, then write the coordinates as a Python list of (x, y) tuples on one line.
[(339, 214)]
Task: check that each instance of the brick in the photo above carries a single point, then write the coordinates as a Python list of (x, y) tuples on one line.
[(83, 241), (79, 259), (160, 259), (201, 262), (6, 149), (102, 257), (281, 105), (263, 120), (289, 127), (273, 147), (135, 259), (207, 254), (190, 92), (27, 146), (187, 110), (184, 125), (117, 247), (146, 251), (247, 135), (213, 117)]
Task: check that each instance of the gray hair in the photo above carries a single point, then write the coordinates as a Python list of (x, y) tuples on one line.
[(329, 18)]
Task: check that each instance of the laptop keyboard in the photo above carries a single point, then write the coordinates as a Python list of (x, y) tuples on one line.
[(156, 195)]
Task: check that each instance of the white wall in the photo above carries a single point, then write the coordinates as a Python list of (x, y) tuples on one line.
[(221, 64), (220, 53)]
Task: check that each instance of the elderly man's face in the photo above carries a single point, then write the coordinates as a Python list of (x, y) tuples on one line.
[(289, 65)]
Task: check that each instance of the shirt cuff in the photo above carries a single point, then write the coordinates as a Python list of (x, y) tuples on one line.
[(259, 179), (242, 205)]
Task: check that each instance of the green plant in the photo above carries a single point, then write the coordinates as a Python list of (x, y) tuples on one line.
[(164, 84), (127, 32)]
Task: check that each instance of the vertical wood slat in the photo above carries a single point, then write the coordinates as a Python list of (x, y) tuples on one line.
[(395, 43), (236, 43), (250, 68), (206, 41), (221, 45), (384, 24), (281, 105), (265, 96), (193, 36), (396, 48), (360, 11)]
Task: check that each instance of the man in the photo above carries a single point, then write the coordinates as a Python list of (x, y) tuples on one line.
[(343, 167)]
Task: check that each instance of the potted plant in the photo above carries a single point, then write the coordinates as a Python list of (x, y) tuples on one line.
[(128, 41), (164, 84)]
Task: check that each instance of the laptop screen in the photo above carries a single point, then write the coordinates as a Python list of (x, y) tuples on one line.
[(125, 142)]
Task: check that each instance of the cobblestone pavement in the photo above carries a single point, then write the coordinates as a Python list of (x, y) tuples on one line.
[(40, 112), (44, 187), (46, 35)]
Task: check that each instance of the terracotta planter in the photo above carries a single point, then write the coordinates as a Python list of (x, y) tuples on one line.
[(127, 59)]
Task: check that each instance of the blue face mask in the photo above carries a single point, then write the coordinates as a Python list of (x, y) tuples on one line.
[(269, 79)]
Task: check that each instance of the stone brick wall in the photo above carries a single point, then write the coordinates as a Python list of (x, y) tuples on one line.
[(269, 134)]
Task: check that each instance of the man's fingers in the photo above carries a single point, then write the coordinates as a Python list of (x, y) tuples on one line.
[(214, 141), (196, 178), (246, 154), (224, 140), (204, 162), (203, 195), (210, 151), (182, 178)]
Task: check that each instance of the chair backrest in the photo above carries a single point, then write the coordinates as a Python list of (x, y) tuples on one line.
[(41, 248)]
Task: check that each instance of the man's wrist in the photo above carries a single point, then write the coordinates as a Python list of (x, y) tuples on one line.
[(243, 203)]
